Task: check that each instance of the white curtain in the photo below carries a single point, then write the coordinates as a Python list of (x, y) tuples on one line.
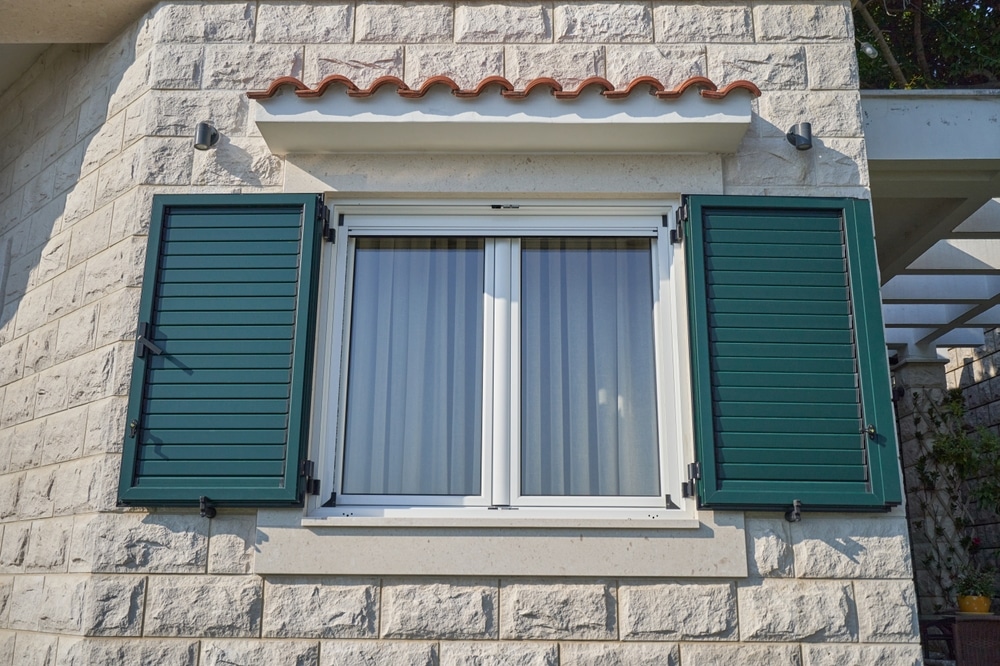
[(588, 417), (414, 394)]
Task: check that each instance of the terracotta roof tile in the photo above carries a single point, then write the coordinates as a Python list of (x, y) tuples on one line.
[(706, 88)]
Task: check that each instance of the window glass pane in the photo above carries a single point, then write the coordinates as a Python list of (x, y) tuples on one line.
[(414, 396), (588, 414)]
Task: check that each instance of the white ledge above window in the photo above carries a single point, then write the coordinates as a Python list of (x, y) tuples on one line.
[(440, 117)]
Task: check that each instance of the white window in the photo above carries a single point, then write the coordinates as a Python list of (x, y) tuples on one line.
[(505, 358)]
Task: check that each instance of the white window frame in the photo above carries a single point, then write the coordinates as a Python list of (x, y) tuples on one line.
[(507, 222)]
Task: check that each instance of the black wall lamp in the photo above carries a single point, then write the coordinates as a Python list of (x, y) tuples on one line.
[(800, 136), (205, 136)]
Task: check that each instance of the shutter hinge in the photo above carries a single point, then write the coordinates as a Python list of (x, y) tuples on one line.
[(142, 341), (694, 474), (207, 509), (307, 469), (794, 514), (677, 233), (323, 216)]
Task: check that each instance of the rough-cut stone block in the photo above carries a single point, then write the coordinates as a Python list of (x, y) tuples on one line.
[(35, 650), (176, 67), (136, 542), (11, 356), (677, 611), (205, 22), (118, 314), (771, 67), (14, 547), (832, 114), (10, 495), (7, 647), (165, 161), (560, 610), (231, 544), (802, 21), (509, 654), (678, 22), (454, 610), (48, 545), (27, 443), (852, 547), (790, 610), (61, 609), (272, 653), (6, 589), (177, 114), (238, 161), (321, 608), (121, 265), (133, 84), (403, 22), (105, 425), (26, 602), (619, 654), (304, 23), (104, 652), (840, 162), (887, 611), (616, 22), (502, 22), (769, 546), (85, 485), (67, 292), (19, 402), (766, 162), (832, 66), (104, 144), (361, 63), (402, 653), (671, 65), (237, 67), (567, 65), (80, 200), (700, 654), (466, 65), (862, 655), (76, 332), (208, 606), (36, 494), (118, 176), (90, 236), (113, 606)]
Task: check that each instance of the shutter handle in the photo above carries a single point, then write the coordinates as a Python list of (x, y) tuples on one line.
[(133, 427), (870, 431), (142, 343)]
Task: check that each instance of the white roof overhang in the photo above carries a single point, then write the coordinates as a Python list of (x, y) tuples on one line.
[(934, 158), (539, 123)]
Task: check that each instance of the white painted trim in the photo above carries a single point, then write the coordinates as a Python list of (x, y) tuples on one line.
[(442, 123)]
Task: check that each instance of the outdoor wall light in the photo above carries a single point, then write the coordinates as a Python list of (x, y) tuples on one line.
[(800, 136), (205, 136), (868, 50)]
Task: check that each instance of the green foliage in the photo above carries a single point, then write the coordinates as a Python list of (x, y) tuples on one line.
[(958, 478), (937, 43), (975, 582)]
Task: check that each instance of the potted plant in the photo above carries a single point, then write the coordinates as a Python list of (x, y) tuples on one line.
[(973, 588)]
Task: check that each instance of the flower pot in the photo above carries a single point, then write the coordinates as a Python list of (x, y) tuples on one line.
[(974, 604)]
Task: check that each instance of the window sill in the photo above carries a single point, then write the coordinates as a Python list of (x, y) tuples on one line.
[(713, 545)]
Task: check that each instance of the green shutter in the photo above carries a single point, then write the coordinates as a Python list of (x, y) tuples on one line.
[(788, 356), (227, 299)]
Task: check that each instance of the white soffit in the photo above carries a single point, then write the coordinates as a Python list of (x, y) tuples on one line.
[(540, 123)]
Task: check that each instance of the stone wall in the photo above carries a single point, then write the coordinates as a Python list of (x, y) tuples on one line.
[(90, 133)]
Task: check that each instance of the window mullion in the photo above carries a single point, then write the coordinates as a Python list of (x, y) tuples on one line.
[(501, 372)]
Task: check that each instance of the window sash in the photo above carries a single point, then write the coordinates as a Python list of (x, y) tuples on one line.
[(501, 455)]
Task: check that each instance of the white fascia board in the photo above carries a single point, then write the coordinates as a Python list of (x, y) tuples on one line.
[(960, 254), (922, 314), (959, 337), (960, 288), (540, 123)]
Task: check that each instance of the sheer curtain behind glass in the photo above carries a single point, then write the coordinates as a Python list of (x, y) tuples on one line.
[(588, 415), (414, 395)]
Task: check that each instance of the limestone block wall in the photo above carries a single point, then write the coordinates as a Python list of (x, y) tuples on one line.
[(90, 133)]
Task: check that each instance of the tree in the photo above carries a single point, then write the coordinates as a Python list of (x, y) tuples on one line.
[(929, 43)]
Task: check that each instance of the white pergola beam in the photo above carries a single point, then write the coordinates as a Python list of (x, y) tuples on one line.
[(960, 255), (908, 288)]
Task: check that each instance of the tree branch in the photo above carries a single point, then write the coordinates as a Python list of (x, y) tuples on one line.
[(897, 72), (918, 41)]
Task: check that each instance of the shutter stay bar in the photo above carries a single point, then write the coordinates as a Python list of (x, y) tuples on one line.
[(143, 343)]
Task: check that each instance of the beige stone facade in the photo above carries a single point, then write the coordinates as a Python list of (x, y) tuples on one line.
[(90, 133)]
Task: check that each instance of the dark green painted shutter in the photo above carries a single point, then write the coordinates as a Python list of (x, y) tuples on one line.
[(219, 401), (788, 355)]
